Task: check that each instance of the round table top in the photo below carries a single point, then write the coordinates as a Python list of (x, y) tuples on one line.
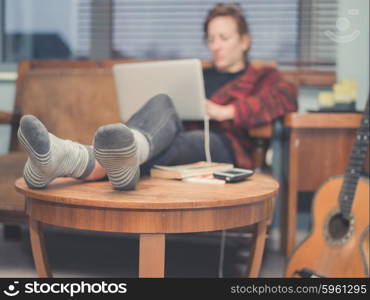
[(154, 193)]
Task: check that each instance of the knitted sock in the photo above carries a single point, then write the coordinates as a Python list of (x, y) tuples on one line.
[(142, 145), (120, 150), (50, 157)]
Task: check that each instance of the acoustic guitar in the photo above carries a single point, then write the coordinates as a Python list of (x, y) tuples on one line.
[(338, 245)]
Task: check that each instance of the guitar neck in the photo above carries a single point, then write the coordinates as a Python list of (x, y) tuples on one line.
[(356, 161)]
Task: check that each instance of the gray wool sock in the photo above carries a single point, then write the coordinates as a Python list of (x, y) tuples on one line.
[(116, 150), (50, 157)]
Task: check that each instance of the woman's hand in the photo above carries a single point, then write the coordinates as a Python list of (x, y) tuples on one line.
[(219, 112)]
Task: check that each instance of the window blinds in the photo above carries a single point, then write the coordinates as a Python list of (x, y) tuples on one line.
[(290, 32)]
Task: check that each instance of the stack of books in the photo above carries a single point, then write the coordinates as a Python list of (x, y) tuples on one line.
[(195, 172)]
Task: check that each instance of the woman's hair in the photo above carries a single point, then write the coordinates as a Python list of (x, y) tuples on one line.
[(227, 10)]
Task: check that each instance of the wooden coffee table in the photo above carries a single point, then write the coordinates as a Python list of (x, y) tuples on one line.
[(155, 208)]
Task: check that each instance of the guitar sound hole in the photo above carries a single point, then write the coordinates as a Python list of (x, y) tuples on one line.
[(338, 226)]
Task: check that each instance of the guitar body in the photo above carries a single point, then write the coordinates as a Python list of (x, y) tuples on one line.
[(333, 249)]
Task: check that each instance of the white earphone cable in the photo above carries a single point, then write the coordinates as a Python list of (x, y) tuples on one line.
[(206, 139)]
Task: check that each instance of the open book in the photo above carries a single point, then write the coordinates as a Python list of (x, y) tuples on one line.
[(188, 170)]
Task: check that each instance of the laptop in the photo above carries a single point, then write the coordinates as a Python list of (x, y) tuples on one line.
[(181, 80)]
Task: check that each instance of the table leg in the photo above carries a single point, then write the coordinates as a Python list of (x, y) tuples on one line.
[(151, 255), (258, 247), (38, 248), (288, 229)]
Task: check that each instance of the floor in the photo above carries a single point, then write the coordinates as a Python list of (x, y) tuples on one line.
[(74, 253)]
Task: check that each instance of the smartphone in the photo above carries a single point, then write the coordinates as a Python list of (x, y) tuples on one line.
[(233, 175)]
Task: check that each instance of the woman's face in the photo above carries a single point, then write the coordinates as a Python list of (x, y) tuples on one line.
[(227, 46)]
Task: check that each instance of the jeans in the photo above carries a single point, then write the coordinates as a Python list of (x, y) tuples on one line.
[(169, 144)]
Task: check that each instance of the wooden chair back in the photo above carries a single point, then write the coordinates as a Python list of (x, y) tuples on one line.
[(72, 98), (71, 103)]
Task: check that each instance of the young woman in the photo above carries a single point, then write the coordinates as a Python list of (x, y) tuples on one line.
[(239, 97)]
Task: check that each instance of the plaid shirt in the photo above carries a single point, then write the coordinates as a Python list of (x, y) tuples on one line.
[(259, 96)]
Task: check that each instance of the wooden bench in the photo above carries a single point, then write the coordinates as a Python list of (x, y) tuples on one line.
[(72, 99)]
